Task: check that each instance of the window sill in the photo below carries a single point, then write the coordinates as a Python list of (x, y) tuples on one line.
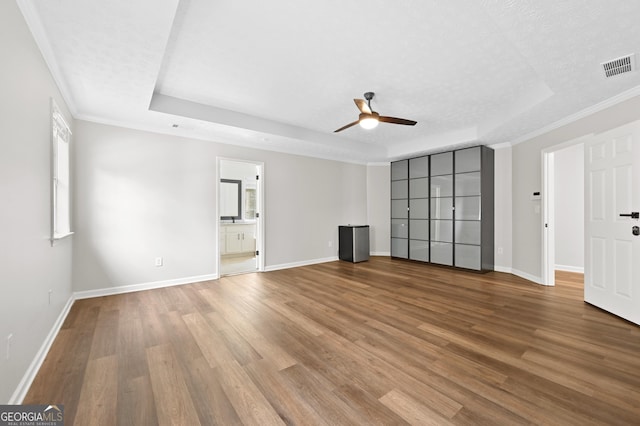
[(57, 237)]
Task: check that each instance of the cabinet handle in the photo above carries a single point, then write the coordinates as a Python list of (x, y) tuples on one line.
[(238, 236)]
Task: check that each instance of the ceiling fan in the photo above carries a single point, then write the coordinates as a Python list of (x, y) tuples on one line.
[(369, 119)]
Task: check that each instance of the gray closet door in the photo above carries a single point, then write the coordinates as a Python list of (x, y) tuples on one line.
[(419, 209), (400, 209), (442, 208), (400, 170), (419, 167), (468, 208)]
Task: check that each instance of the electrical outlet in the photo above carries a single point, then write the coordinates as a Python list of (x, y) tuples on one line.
[(50, 294), (499, 250), (330, 244), (159, 261), (9, 339)]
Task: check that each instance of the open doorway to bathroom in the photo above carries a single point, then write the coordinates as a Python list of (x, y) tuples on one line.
[(240, 222)]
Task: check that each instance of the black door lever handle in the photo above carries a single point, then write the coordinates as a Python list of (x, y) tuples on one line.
[(632, 215)]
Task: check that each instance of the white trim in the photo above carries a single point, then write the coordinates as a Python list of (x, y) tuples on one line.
[(527, 276), (301, 263), (505, 269), (607, 103), (87, 294), (548, 205), (34, 367), (380, 253), (548, 224), (567, 268), (501, 145), (57, 237)]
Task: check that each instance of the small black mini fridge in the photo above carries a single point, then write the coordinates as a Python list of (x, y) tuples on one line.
[(353, 243)]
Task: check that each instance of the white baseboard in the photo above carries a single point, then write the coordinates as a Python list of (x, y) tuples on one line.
[(144, 286), (381, 253), (301, 263), (27, 379), (504, 269), (566, 268), (527, 276)]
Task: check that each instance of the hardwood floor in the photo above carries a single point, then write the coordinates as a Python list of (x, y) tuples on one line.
[(379, 342)]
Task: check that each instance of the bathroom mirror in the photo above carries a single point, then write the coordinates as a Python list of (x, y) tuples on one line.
[(230, 199)]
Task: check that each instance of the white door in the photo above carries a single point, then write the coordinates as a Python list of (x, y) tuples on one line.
[(612, 251)]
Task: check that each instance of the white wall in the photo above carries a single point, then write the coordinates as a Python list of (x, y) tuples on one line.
[(503, 209), (379, 209), (142, 195), (29, 266), (569, 208), (527, 177)]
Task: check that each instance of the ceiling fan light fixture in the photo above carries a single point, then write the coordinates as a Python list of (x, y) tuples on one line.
[(368, 121)]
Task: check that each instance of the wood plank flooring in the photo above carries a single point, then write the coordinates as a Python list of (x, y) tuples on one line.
[(381, 342)]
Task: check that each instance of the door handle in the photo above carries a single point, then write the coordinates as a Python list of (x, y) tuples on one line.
[(632, 215)]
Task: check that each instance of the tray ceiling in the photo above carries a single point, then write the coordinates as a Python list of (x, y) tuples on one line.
[(282, 75)]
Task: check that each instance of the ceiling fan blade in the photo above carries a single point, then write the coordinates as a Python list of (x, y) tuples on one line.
[(347, 126), (362, 106), (395, 120)]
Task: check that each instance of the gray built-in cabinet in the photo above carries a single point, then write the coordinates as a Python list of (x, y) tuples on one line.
[(442, 208)]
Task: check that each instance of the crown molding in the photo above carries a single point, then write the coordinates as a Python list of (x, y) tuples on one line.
[(607, 103), (32, 18)]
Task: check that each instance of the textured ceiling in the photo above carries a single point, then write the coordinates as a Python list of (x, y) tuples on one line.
[(282, 75)]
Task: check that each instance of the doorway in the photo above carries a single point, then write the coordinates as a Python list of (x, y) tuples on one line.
[(240, 218), (563, 209)]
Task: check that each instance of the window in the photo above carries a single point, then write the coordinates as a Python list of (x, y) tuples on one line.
[(60, 165), (250, 203)]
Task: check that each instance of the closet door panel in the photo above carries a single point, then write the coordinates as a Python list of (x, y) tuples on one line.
[(399, 209), (419, 250), (442, 164), (467, 208), (419, 229), (419, 208), (399, 190), (468, 160), (442, 230), (442, 186), (468, 257), (399, 228), (419, 188), (442, 253), (468, 184), (400, 170), (468, 232), (399, 248), (419, 167), (442, 208)]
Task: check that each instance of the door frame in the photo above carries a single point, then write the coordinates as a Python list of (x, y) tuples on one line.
[(548, 208), (260, 220)]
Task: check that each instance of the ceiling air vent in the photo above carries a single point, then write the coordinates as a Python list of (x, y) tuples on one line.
[(619, 66)]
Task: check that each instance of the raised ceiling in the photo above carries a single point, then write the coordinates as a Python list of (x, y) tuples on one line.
[(281, 75)]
